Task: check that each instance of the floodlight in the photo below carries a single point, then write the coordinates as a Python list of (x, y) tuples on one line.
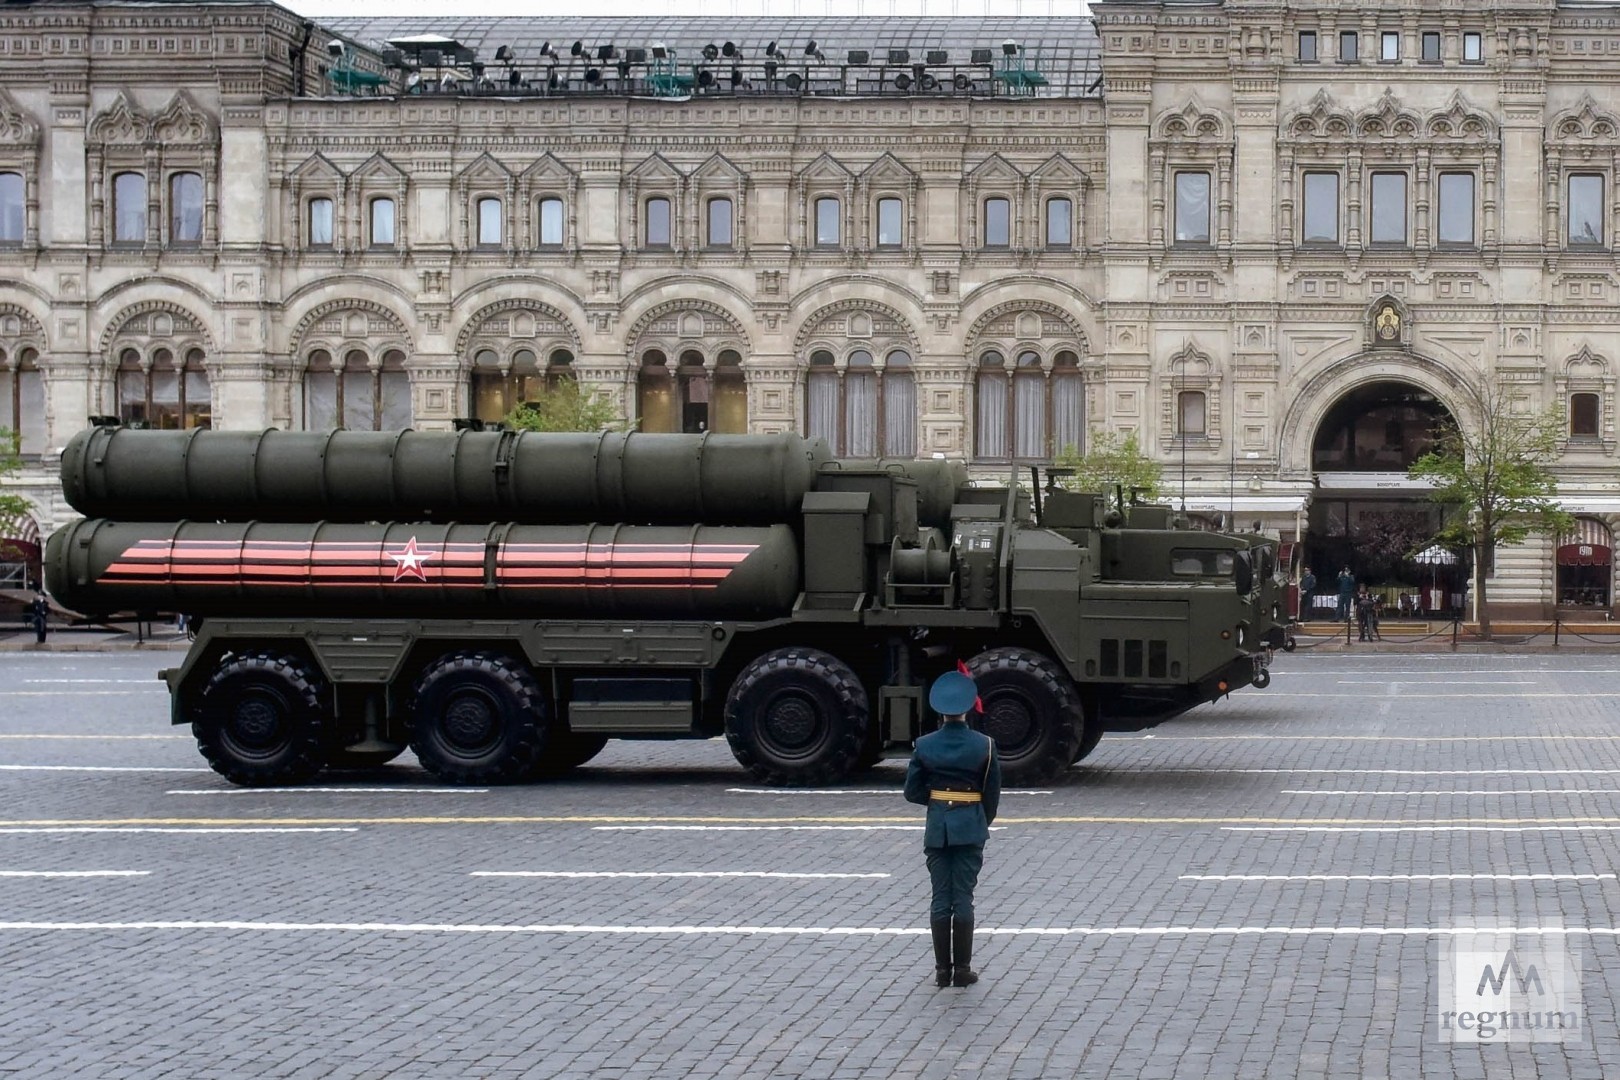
[(393, 58), (899, 56), (605, 52), (465, 55), (736, 77), (1009, 47), (514, 77), (903, 81), (810, 49), (705, 77), (962, 82), (554, 81), (938, 56), (431, 58), (478, 69), (928, 83), (577, 49), (859, 56), (545, 48), (770, 48), (335, 48), (794, 81), (980, 56), (504, 52), (635, 56), (728, 49), (710, 51), (660, 51), (593, 76)]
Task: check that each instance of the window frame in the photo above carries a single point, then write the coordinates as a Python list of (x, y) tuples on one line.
[(1315, 56), (1209, 209), (1477, 38), (1183, 400), (1386, 39), (730, 242), (310, 204), (985, 242), (171, 215), (540, 223), (371, 223), (1352, 55), (1373, 206), (817, 202), (480, 202), (22, 209), (1338, 208), (1046, 230), (1596, 402), (899, 207), (1425, 39), (118, 239), (1440, 205), (1569, 211)]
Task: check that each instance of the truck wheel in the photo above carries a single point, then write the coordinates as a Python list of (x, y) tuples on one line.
[(259, 720), (1089, 738), (797, 717), (1032, 710), (478, 718), (566, 750)]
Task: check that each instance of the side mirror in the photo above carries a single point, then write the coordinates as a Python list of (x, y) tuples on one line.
[(1243, 569)]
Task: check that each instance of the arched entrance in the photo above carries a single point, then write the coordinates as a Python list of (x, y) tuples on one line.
[(1368, 515)]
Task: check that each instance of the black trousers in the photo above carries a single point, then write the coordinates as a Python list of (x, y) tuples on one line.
[(955, 873)]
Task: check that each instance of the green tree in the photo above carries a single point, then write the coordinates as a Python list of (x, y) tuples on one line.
[(1494, 469), (564, 406), (12, 507), (1111, 459)]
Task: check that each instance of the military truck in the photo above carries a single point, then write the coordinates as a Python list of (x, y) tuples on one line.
[(505, 603)]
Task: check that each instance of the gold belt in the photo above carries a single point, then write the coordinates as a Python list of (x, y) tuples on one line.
[(955, 796)]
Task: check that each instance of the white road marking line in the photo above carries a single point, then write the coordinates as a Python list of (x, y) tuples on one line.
[(10, 831), (1447, 697), (102, 768), (97, 738), (1398, 877), (141, 682), (818, 931), (1442, 682), (330, 791), (1538, 791), (78, 693), (72, 873), (659, 874), (1412, 772), (757, 828), (852, 791), (1384, 738), (1419, 828), (1313, 672)]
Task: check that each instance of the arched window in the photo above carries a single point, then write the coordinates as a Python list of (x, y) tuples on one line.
[(356, 393), (728, 412), (899, 392), (860, 406), (129, 208), (382, 223), (1068, 403), (890, 232), (551, 222), (489, 222), (992, 441), (13, 208), (500, 384), (320, 223), (658, 225), (829, 224), (997, 223), (1583, 414), (1059, 223), (163, 391), (1190, 414), (22, 398), (559, 366), (1029, 408), (719, 224), (185, 208), (658, 404), (821, 398)]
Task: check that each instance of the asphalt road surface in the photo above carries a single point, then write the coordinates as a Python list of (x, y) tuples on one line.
[(1273, 886)]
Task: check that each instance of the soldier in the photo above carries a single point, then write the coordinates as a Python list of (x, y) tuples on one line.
[(39, 607), (955, 773)]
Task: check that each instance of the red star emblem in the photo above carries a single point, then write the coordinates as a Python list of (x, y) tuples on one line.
[(408, 563)]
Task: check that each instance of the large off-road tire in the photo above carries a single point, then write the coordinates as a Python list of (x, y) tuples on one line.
[(479, 718), (566, 750), (362, 759), (260, 720), (1090, 735), (1032, 710), (797, 717)]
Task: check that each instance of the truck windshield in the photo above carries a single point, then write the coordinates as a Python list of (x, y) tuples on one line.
[(1201, 562)]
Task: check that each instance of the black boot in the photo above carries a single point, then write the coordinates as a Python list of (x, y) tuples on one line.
[(942, 950), (962, 948)]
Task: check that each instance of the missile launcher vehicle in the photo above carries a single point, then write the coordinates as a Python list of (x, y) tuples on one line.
[(503, 604)]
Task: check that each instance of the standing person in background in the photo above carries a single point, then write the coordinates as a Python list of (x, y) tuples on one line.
[(1307, 593), (1347, 592), (955, 773), (39, 607)]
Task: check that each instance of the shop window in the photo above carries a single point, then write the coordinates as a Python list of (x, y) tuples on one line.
[(22, 398), (356, 394), (728, 405), (899, 388), (1584, 558), (1068, 403), (163, 392), (821, 398), (658, 405)]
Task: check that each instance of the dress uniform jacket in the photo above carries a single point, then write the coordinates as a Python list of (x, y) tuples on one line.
[(955, 758)]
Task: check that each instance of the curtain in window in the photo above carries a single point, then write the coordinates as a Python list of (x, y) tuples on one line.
[(320, 401), (396, 400), (199, 404), (1029, 416), (1192, 207), (899, 414), (1059, 227), (12, 206), (821, 412), (132, 397), (165, 398), (991, 416), (1068, 412), (357, 403), (382, 222), (129, 207), (186, 198), (860, 414), (32, 404), (320, 221), (551, 221)]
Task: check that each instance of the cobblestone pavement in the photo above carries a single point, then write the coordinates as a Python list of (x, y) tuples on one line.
[(1259, 889)]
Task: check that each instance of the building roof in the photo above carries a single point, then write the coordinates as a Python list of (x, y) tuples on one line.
[(1062, 49)]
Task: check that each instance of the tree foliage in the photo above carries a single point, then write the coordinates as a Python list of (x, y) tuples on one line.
[(1111, 459), (12, 507), (1494, 468), (564, 406)]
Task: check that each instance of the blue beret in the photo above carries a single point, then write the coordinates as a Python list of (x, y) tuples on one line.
[(952, 694)]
